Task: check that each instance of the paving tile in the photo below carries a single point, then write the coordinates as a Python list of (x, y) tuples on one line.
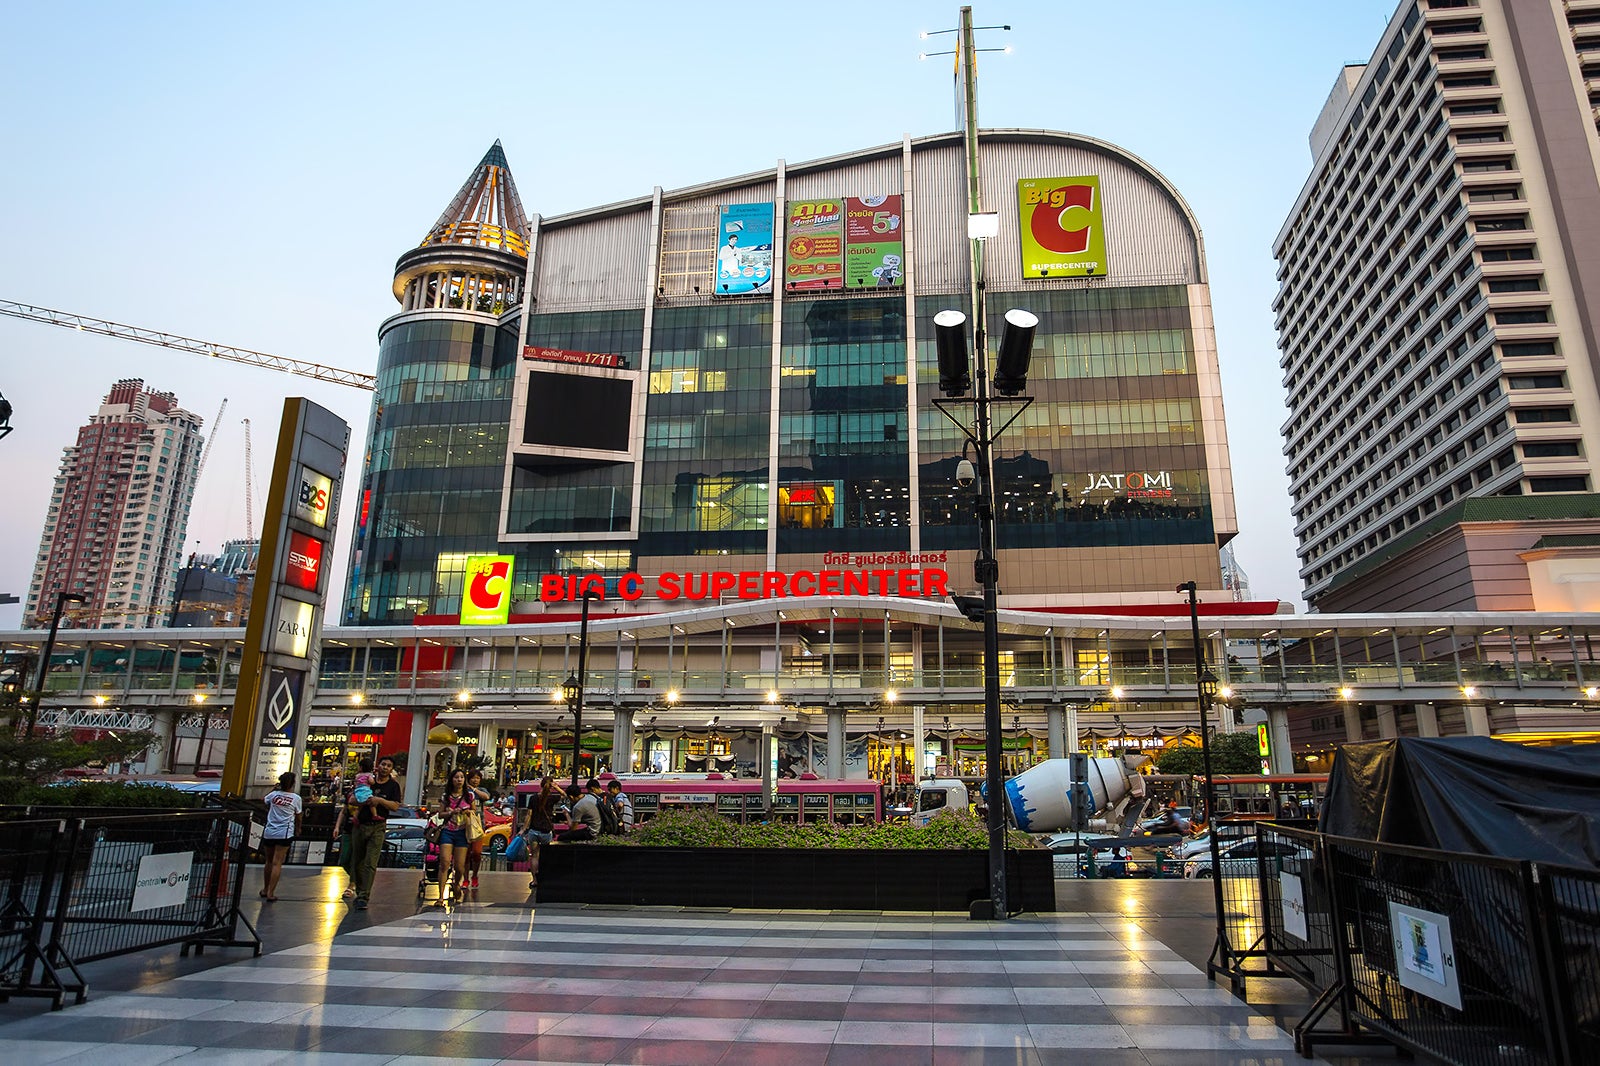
[(866, 1054), (789, 1031), (745, 1053)]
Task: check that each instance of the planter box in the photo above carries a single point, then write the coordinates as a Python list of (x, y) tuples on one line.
[(789, 878)]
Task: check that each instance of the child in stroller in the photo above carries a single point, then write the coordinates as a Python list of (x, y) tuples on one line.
[(428, 887)]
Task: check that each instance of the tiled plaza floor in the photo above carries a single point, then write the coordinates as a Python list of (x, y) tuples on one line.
[(503, 981)]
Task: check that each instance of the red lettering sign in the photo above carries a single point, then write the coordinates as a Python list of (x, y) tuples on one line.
[(562, 355), (899, 581)]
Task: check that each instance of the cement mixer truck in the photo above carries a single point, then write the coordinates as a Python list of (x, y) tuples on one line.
[(1044, 798)]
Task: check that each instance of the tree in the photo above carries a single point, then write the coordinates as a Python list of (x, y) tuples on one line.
[(1231, 753), (36, 760)]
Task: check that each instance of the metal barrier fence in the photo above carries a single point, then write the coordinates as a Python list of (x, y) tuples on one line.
[(1467, 959), (87, 888), (1240, 935)]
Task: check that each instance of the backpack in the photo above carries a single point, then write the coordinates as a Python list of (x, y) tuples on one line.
[(610, 820)]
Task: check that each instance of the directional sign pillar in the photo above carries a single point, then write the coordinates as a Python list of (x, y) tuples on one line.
[(282, 641)]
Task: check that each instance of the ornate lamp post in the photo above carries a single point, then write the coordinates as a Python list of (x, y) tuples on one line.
[(572, 692)]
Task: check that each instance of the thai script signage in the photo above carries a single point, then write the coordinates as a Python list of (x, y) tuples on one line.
[(744, 249), (874, 243), (562, 355), (815, 252)]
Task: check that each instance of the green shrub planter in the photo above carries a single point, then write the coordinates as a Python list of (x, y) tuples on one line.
[(902, 879)]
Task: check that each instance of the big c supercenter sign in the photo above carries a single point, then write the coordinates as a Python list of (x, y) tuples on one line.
[(486, 592), (898, 574), (1063, 227)]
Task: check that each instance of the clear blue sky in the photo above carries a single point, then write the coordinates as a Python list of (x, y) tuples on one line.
[(248, 174)]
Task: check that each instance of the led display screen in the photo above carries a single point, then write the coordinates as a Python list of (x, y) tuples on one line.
[(578, 411)]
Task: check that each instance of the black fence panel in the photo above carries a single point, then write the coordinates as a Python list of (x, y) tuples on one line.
[(1248, 873), (1298, 911), (1570, 902), (145, 881), (1443, 953), (31, 881)]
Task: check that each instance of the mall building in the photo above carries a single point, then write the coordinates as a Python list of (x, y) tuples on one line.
[(724, 393)]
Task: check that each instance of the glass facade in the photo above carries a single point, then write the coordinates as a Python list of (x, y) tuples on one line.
[(708, 418), (435, 464), (843, 443), (1111, 452)]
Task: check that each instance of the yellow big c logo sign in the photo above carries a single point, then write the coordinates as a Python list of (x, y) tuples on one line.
[(486, 594)]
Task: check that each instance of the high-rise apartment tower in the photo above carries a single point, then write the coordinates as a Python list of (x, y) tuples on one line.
[(1437, 314), (115, 528)]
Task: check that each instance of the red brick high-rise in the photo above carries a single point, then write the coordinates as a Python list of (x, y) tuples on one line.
[(118, 512)]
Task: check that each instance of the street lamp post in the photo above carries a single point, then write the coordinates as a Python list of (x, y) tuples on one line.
[(1205, 693), (62, 599), (572, 688)]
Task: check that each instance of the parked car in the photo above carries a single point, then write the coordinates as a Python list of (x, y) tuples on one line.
[(1073, 854), (1239, 860)]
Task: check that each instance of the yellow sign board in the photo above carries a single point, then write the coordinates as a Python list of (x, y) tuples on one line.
[(486, 592)]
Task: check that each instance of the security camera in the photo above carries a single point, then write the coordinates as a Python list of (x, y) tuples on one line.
[(966, 473)]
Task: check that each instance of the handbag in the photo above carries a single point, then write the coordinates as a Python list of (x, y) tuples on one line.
[(433, 831), (517, 850), (474, 823)]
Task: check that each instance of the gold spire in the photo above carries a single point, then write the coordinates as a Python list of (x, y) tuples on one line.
[(486, 213)]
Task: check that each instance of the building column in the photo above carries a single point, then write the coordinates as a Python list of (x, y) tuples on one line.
[(919, 752), (1427, 720), (835, 743), (622, 741), (1352, 723), (1282, 758), (1055, 731), (158, 756), (1388, 728), (489, 748), (1069, 730), (417, 757), (1477, 719)]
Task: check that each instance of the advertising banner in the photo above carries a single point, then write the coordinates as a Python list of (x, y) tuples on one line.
[(1062, 228), (815, 258), (744, 249), (311, 497), (302, 565), (163, 881), (874, 243), (278, 724), (486, 592), (562, 355), (291, 628)]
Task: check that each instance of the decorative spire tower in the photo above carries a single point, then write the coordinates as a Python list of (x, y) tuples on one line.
[(474, 257), (436, 456)]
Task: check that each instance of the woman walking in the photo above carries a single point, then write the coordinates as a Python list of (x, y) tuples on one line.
[(455, 807), (475, 846), (540, 828), (283, 825)]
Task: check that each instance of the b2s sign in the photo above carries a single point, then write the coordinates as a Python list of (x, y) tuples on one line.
[(312, 493), (486, 592)]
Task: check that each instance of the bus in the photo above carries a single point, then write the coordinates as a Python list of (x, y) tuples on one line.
[(802, 800)]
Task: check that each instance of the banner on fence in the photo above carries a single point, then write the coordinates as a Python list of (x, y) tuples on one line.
[(1424, 956), (1292, 897), (163, 881)]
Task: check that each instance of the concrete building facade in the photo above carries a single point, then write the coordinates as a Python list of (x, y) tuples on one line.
[(114, 530), (1437, 311)]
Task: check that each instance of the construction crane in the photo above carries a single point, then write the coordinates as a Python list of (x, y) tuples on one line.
[(68, 320), (211, 443), (249, 487)]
